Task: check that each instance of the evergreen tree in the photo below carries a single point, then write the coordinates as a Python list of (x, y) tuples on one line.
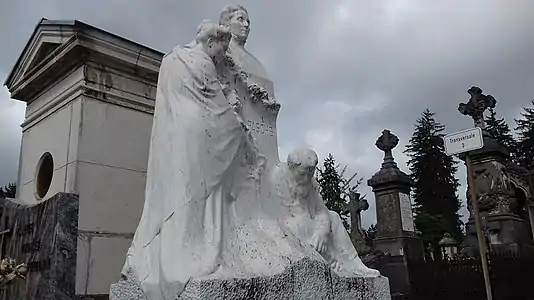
[(370, 234), (436, 203), (8, 191), (335, 188), (499, 130), (525, 145)]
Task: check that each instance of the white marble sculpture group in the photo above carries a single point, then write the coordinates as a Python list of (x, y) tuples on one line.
[(219, 204)]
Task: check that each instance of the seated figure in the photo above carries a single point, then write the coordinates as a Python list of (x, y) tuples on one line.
[(304, 212)]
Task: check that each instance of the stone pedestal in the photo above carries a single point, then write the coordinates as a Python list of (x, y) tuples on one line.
[(396, 232), (43, 236), (305, 280), (504, 213), (504, 233), (502, 188)]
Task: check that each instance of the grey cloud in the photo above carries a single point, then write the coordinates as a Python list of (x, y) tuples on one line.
[(10, 115), (404, 55)]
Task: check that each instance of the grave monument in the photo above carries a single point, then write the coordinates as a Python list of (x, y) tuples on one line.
[(223, 218), (357, 204), (503, 189), (396, 234)]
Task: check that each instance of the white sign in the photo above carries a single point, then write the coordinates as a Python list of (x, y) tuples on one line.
[(463, 141), (406, 212)]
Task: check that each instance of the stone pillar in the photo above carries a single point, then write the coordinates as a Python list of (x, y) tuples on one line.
[(396, 233), (498, 182)]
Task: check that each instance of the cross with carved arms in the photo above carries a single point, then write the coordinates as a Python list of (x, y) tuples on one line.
[(476, 106), (387, 142)]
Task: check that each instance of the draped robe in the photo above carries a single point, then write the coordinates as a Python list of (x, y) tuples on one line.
[(305, 214), (195, 154)]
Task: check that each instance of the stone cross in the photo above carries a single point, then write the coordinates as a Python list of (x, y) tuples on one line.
[(476, 106), (387, 142), (357, 204)]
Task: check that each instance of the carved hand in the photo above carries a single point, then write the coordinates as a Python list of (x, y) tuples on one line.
[(336, 266), (319, 241), (259, 166), (237, 106)]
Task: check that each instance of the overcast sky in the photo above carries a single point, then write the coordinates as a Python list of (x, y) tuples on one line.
[(344, 70)]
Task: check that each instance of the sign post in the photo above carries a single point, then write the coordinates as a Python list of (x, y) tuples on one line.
[(464, 142)]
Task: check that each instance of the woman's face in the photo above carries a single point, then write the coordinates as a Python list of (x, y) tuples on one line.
[(240, 25)]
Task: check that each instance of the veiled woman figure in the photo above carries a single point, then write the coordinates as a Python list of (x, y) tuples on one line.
[(261, 111), (196, 159)]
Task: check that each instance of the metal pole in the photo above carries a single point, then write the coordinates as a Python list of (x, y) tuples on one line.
[(480, 235)]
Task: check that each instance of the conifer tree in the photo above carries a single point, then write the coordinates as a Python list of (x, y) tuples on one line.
[(9, 190), (499, 130), (335, 188), (525, 145), (436, 203), (370, 234)]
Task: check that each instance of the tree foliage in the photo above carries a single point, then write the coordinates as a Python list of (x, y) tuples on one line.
[(525, 145), (335, 188), (499, 130), (370, 234), (436, 203), (9, 191)]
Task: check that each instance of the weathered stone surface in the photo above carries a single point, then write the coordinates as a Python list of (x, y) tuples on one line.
[(396, 241), (44, 237), (306, 280)]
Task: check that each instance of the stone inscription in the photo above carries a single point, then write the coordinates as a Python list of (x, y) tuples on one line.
[(260, 127), (27, 229), (406, 212), (44, 237), (39, 265), (31, 246)]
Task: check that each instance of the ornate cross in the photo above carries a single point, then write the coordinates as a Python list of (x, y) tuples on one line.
[(386, 142), (476, 106)]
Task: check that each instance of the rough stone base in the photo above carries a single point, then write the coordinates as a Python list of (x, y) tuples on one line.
[(43, 236), (305, 280)]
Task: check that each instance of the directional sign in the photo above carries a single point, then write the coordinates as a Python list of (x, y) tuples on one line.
[(463, 141)]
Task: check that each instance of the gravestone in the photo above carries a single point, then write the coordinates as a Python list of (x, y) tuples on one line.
[(396, 233), (44, 236), (357, 234)]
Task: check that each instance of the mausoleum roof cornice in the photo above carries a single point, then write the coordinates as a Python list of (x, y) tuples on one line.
[(55, 41)]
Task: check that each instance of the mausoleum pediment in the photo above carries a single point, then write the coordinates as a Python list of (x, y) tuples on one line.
[(45, 39), (55, 47)]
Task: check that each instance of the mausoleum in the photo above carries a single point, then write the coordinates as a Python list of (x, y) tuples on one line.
[(89, 98)]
